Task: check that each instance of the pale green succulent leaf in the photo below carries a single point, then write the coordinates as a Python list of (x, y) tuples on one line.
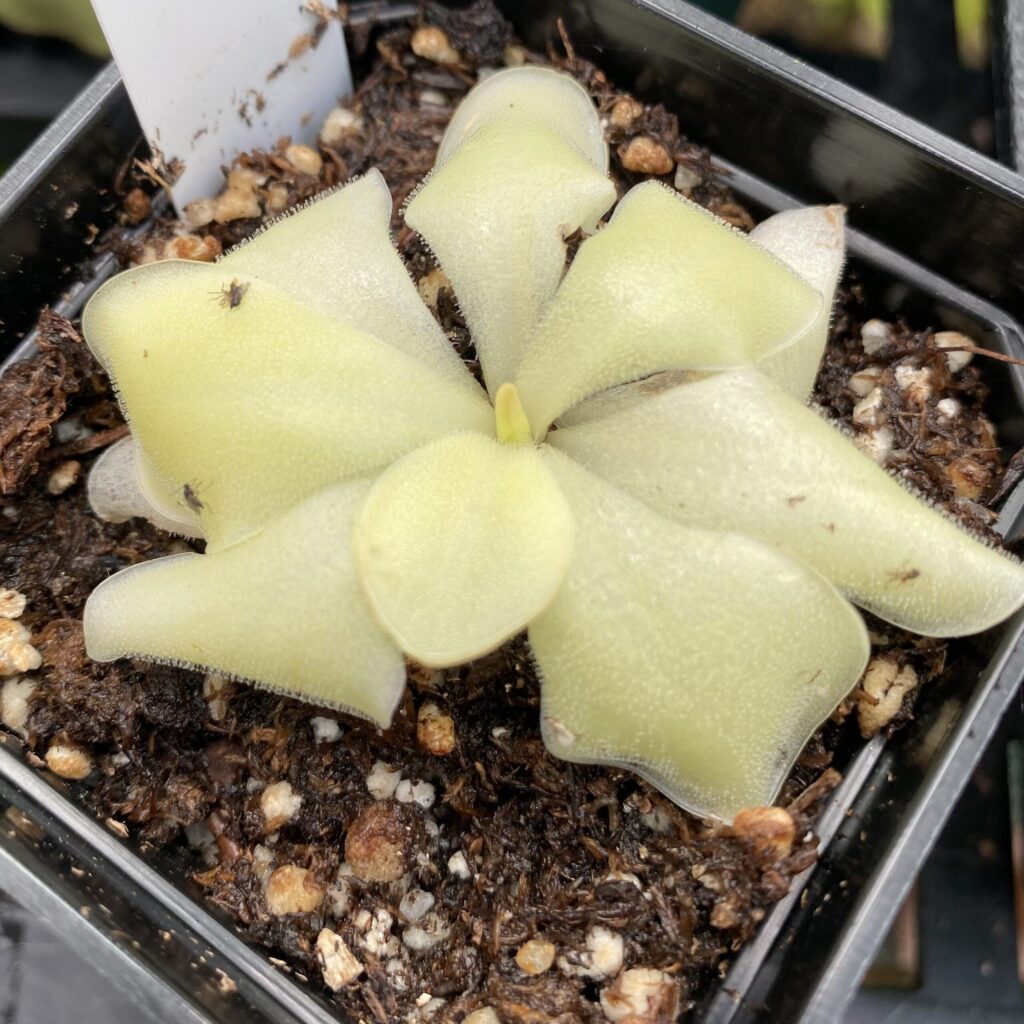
[(123, 484), (664, 286), (282, 609), (812, 241), (533, 96), (334, 256), (520, 172), (703, 661), (734, 452), (460, 545), (254, 408)]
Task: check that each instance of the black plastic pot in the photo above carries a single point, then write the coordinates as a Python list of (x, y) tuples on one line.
[(954, 222), (38, 77)]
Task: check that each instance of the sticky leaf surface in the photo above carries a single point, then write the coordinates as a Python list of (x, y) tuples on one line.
[(533, 95), (703, 661), (812, 242), (121, 485), (733, 452), (282, 609), (335, 256), (460, 544), (518, 175), (664, 286), (256, 407)]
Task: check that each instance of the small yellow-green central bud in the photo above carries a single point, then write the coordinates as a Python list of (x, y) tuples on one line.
[(510, 421)]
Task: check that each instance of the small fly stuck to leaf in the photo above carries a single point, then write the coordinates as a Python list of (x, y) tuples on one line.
[(231, 296), (192, 499)]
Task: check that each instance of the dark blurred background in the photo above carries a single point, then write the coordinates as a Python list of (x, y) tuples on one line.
[(957, 952), (932, 59), (938, 60)]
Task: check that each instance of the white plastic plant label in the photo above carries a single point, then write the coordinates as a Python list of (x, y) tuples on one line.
[(210, 80)]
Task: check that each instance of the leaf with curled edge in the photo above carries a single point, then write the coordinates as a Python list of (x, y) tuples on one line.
[(122, 484), (733, 452), (664, 286), (282, 609), (522, 165), (256, 407), (334, 256), (703, 661), (811, 241)]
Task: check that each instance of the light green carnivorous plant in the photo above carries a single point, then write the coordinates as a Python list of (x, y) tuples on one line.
[(642, 486)]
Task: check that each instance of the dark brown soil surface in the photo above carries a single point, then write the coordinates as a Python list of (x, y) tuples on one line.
[(509, 844)]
